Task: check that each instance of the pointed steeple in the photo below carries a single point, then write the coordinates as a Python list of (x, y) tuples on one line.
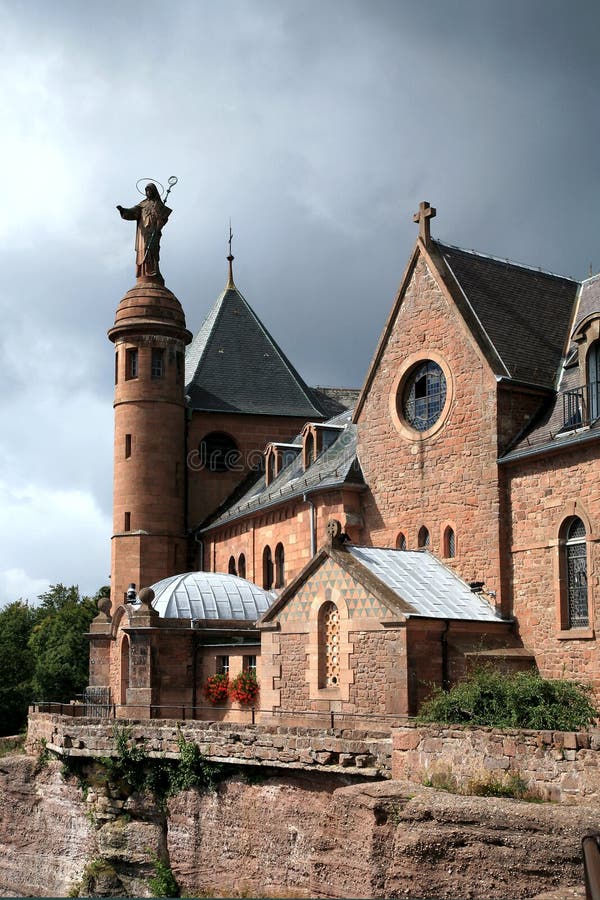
[(230, 283)]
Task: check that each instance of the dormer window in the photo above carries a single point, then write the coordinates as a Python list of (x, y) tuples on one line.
[(317, 437), (581, 405)]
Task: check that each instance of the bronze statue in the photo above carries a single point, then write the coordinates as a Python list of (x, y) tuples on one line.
[(151, 216)]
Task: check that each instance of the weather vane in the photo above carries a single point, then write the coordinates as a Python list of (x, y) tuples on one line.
[(151, 216)]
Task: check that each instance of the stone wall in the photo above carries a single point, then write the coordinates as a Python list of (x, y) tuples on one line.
[(367, 753), (543, 493), (563, 767), (447, 476)]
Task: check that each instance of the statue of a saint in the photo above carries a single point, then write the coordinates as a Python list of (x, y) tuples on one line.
[(151, 216)]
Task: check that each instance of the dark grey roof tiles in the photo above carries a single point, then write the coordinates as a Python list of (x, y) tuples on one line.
[(234, 365), (589, 299), (526, 313), (334, 467), (335, 400)]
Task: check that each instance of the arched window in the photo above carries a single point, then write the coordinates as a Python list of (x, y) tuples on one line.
[(423, 539), (231, 568), (329, 645), (279, 566), (309, 449), (401, 541), (242, 566), (124, 668), (575, 606), (267, 569), (593, 381), (449, 542), (219, 452)]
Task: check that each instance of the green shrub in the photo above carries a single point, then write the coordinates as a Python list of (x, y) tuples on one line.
[(522, 700), (163, 882)]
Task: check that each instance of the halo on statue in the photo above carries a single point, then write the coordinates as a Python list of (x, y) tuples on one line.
[(145, 181)]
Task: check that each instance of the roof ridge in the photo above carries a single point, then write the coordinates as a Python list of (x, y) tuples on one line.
[(510, 262)]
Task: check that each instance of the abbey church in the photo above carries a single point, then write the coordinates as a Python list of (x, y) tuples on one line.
[(354, 548)]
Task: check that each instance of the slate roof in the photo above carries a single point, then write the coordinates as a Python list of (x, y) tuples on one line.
[(409, 583), (209, 595), (430, 588), (334, 467), (549, 429), (234, 365), (524, 312)]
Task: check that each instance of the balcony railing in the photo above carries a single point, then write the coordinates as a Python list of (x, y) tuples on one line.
[(581, 406)]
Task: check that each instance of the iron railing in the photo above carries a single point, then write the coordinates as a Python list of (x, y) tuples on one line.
[(581, 405)]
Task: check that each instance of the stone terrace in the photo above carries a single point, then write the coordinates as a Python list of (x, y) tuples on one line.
[(364, 753)]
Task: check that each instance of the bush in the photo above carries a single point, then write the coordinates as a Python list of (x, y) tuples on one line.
[(522, 700), (244, 688)]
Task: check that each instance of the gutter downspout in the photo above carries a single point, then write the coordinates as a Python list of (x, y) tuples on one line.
[(313, 537)]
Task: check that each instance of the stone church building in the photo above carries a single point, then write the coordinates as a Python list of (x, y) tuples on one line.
[(355, 547)]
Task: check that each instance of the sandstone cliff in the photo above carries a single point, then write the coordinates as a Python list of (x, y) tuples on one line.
[(286, 835)]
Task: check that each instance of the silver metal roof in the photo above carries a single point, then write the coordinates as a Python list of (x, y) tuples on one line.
[(426, 584), (209, 595)]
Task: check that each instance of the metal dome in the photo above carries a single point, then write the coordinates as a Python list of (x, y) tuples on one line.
[(209, 595)]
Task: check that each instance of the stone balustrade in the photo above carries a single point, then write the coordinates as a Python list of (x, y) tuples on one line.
[(364, 753)]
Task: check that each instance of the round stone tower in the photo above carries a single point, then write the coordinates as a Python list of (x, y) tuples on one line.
[(149, 539)]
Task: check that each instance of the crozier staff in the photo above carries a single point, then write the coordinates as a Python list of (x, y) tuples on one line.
[(151, 216)]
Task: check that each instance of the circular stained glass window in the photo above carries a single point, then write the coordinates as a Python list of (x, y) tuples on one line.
[(424, 395)]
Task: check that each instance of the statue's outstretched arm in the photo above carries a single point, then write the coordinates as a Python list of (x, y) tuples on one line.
[(132, 213)]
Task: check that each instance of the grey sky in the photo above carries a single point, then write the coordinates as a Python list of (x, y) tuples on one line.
[(318, 127)]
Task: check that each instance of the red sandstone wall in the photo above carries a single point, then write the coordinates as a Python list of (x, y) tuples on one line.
[(543, 492), (451, 476), (289, 524), (207, 490)]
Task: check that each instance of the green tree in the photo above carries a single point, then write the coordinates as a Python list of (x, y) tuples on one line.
[(58, 643), (16, 665)]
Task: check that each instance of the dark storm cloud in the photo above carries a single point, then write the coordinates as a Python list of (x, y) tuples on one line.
[(318, 127)]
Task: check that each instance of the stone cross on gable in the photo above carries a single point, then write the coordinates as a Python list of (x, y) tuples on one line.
[(426, 212)]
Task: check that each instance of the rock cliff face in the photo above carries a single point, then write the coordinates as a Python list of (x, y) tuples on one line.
[(287, 835)]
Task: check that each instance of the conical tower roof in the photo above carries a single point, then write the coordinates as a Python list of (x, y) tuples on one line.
[(234, 365)]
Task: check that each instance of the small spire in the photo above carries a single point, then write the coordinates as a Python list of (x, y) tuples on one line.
[(230, 258)]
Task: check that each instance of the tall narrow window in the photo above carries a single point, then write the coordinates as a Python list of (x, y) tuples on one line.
[(131, 363), (127, 522), (575, 572), (158, 362), (127, 446), (116, 366), (267, 568), (593, 381), (329, 645), (279, 566), (222, 665), (449, 543), (242, 566), (249, 664), (423, 539), (180, 367), (401, 541), (231, 568)]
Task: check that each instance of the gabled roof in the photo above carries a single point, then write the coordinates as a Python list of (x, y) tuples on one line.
[(334, 467), (410, 583), (234, 365), (525, 313)]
